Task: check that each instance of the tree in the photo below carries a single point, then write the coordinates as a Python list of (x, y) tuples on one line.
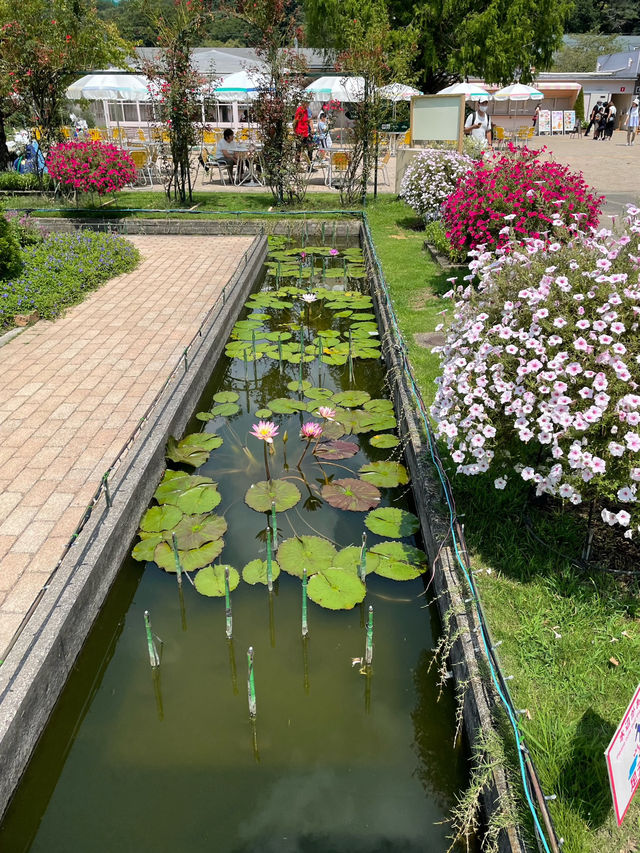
[(44, 44), (583, 52), (605, 16)]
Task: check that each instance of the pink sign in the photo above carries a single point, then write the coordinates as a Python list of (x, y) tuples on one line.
[(623, 758)]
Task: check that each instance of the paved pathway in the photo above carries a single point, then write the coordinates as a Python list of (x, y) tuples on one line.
[(71, 392)]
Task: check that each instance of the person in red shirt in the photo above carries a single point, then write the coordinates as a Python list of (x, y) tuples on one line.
[(302, 127)]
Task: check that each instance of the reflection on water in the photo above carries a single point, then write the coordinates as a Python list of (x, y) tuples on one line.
[(336, 762)]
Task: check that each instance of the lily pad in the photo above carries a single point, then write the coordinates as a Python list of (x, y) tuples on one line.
[(386, 440), (336, 450), (210, 581), (349, 559), (384, 421), (378, 405), (174, 483), (351, 494), (321, 394), (398, 561), (296, 386), (331, 430), (312, 553), (226, 396), (189, 560), (286, 406), (145, 549), (193, 449), (256, 572), (336, 589), (391, 522), (384, 474), (263, 413), (357, 421), (278, 336), (199, 499), (160, 518), (225, 410), (194, 530), (351, 399), (261, 495)]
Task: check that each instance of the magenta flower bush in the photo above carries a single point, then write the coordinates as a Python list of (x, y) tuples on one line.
[(541, 370), (430, 179), (90, 167), (539, 198)]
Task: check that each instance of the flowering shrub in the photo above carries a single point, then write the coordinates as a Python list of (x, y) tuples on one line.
[(28, 231), (520, 185), (540, 370), (10, 261), (91, 166), (61, 269), (430, 179)]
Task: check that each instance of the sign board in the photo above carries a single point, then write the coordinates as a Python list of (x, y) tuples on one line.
[(623, 758), (437, 118), (544, 121), (394, 127), (557, 121), (569, 120)]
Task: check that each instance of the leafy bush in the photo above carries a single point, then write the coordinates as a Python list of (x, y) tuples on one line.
[(15, 181), (10, 260), (430, 179), (538, 196), (27, 230), (540, 370), (436, 235), (61, 269), (92, 166)]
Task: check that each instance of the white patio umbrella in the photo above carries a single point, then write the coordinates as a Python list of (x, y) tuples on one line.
[(472, 91), (398, 92), (345, 89), (518, 92), (110, 87), (241, 86)]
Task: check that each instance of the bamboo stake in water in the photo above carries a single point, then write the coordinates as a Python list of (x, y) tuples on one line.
[(227, 603), (253, 343), (305, 664), (154, 660), (301, 355), (368, 652), (305, 625), (251, 687), (232, 666), (274, 524), (363, 558), (269, 565), (176, 557)]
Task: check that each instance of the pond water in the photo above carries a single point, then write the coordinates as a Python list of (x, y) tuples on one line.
[(340, 757)]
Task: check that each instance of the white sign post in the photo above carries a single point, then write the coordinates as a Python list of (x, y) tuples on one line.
[(623, 758)]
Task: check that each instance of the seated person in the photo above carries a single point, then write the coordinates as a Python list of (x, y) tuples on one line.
[(227, 152)]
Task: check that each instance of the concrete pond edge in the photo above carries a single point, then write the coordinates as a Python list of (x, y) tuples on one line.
[(40, 660)]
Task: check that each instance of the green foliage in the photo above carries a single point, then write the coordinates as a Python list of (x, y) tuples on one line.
[(436, 234), (336, 589), (261, 495), (582, 52), (10, 258), (15, 181), (615, 16), (579, 105)]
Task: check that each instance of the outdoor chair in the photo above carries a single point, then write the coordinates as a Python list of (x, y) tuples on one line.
[(383, 169), (209, 137), (143, 167), (338, 164), (405, 141), (500, 136)]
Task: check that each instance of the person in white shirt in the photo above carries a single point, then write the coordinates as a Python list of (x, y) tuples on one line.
[(227, 152), (633, 120), (478, 123), (611, 121)]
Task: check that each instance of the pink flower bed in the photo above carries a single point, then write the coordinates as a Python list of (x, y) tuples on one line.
[(536, 198), (91, 167)]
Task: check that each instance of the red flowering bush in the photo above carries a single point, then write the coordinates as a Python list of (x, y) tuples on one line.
[(90, 167), (535, 197)]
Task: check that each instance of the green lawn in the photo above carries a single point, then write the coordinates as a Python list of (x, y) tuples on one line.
[(570, 640)]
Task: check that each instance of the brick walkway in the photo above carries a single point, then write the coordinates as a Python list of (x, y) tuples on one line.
[(71, 392)]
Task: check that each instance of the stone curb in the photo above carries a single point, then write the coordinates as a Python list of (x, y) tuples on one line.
[(37, 666)]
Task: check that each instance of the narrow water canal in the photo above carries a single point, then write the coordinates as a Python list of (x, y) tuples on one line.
[(340, 758)]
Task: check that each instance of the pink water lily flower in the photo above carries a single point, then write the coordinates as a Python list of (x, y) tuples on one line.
[(265, 431), (311, 430), (327, 413), (309, 298), (334, 252)]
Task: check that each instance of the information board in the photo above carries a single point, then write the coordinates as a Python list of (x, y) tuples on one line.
[(623, 758), (544, 121), (557, 121), (569, 120), (437, 118)]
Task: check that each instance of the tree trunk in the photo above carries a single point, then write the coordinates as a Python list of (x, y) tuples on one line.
[(5, 156)]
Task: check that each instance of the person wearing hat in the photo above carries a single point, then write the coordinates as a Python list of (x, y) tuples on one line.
[(633, 120), (478, 123)]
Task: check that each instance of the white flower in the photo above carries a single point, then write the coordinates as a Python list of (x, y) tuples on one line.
[(500, 482)]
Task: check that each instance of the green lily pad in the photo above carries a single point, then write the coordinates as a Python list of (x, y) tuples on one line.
[(336, 449), (342, 314), (363, 316), (199, 499), (286, 406), (174, 483), (351, 399), (193, 449), (194, 530), (261, 495), (398, 561), (189, 560), (210, 581), (256, 572), (263, 413), (349, 559), (225, 410), (385, 441), (385, 474), (357, 421), (296, 386), (391, 522), (351, 494), (278, 336), (312, 553), (145, 549), (378, 405), (336, 589), (321, 394), (160, 518), (384, 421), (331, 430), (226, 397)]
